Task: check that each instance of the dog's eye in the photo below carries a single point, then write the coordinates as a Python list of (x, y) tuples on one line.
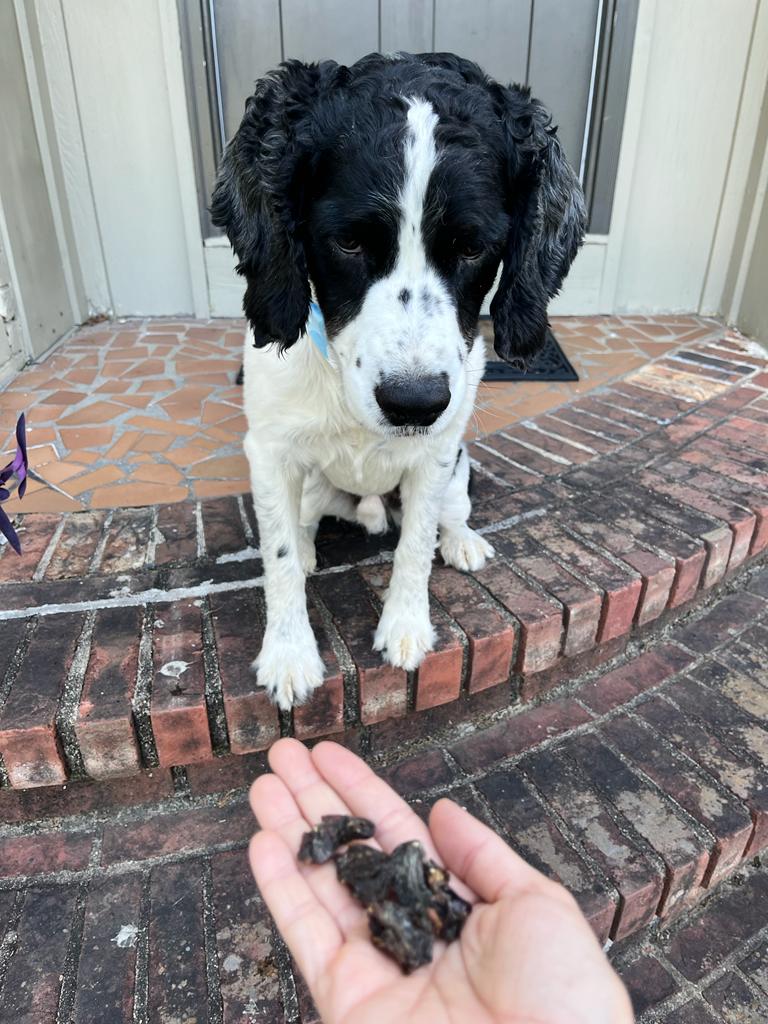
[(467, 250), (349, 246)]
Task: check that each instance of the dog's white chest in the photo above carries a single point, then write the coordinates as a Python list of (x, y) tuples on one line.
[(360, 466)]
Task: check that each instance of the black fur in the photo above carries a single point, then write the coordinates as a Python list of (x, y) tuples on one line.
[(316, 167)]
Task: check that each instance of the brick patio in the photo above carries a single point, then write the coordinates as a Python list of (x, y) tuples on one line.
[(598, 694)]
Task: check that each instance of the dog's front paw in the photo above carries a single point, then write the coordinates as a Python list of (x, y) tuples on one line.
[(289, 668), (404, 636), (464, 549)]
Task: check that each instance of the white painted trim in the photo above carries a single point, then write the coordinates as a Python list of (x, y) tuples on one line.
[(182, 142), (46, 159), (26, 339), (74, 162), (749, 242), (630, 139), (754, 90)]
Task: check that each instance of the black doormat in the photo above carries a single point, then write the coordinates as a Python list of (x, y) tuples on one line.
[(550, 364)]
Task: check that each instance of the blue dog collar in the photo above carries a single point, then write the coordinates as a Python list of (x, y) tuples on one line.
[(315, 328)]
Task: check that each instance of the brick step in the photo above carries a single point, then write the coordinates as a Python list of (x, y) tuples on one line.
[(644, 789), (128, 635)]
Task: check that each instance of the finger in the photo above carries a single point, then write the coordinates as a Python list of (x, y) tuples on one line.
[(277, 811), (309, 931), (369, 796), (474, 853), (292, 762)]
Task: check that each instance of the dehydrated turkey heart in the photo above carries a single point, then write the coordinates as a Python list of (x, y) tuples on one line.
[(408, 898)]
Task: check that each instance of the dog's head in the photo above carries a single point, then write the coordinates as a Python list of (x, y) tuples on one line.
[(397, 187)]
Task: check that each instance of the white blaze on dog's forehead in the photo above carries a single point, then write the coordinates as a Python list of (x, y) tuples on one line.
[(420, 160)]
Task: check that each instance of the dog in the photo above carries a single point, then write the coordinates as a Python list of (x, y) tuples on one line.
[(392, 191)]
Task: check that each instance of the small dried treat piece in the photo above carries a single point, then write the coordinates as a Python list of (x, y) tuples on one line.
[(319, 845), (407, 896), (366, 873), (402, 933)]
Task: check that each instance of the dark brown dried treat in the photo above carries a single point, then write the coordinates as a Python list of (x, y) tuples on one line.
[(365, 871), (447, 912), (319, 845), (403, 934), (409, 885)]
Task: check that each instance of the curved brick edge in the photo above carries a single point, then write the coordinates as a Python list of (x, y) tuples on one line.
[(129, 634), (644, 789)]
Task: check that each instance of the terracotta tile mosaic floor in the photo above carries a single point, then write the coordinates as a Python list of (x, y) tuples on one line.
[(143, 411)]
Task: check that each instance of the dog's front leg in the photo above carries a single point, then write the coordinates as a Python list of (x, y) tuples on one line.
[(405, 632), (289, 665)]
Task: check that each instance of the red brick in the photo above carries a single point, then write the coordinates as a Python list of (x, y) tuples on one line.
[(748, 653), (222, 526), (738, 464), (556, 446), (569, 430), (238, 624), (34, 533), (248, 973), (725, 620), (689, 555), (687, 427), (518, 733), (233, 771), (32, 986), (642, 401), (729, 766), (657, 572), (538, 684), (177, 528), (755, 966), (187, 831), (351, 605), (424, 770), (513, 445), (177, 978), (44, 853), (692, 1012), (534, 834), (642, 673), (77, 544), (734, 1000), (17, 805), (491, 637), (721, 715), (715, 535), (739, 520), (582, 604), (107, 967), (682, 848), (104, 724), (28, 741), (621, 588), (741, 431), (734, 914), (614, 415), (587, 415), (439, 675), (540, 617), (514, 474), (323, 714), (647, 982), (636, 874), (696, 791), (178, 709), (128, 538)]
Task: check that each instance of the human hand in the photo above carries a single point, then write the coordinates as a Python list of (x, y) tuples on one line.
[(526, 954)]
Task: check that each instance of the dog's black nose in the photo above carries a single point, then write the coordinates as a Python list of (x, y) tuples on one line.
[(414, 401)]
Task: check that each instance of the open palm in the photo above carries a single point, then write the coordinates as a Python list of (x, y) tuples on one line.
[(526, 954)]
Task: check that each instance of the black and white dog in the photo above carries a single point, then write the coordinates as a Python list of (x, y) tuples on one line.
[(394, 189)]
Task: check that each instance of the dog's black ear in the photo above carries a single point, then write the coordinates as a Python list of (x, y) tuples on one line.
[(548, 221), (257, 199)]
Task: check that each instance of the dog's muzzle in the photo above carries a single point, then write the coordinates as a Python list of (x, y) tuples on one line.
[(413, 401)]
